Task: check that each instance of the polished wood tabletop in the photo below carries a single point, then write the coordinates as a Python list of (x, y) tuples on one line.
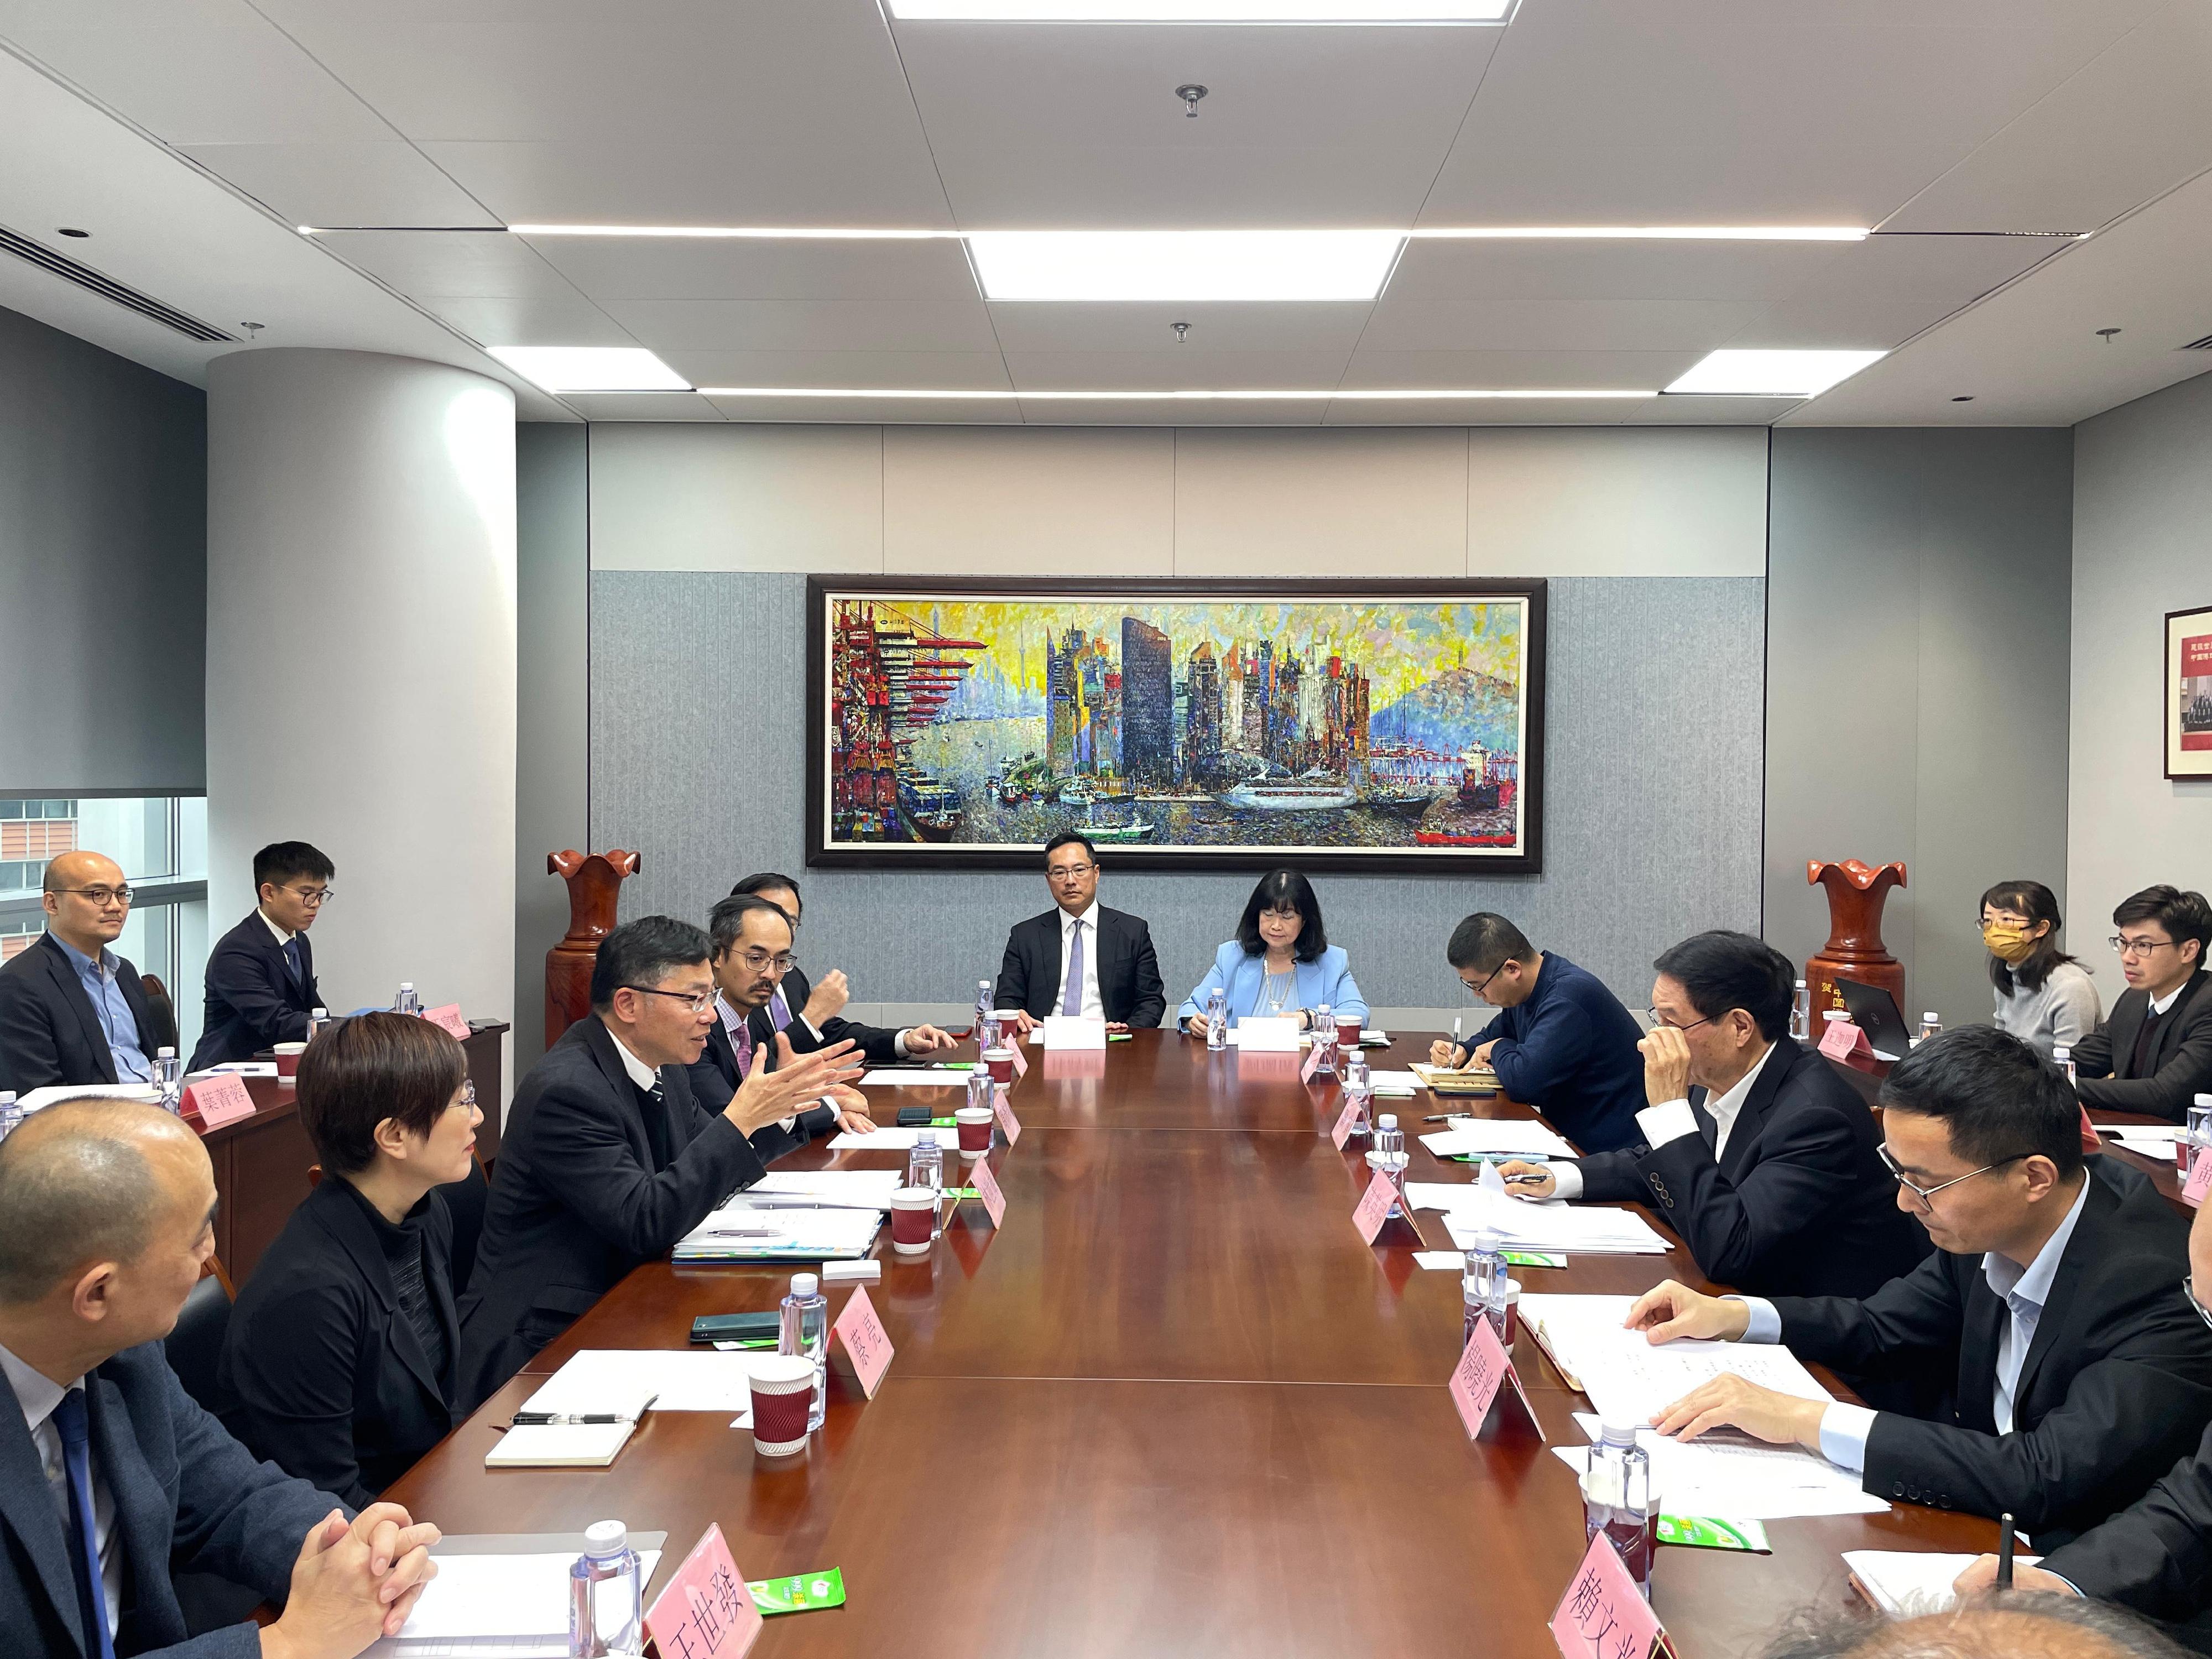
[(1173, 1406)]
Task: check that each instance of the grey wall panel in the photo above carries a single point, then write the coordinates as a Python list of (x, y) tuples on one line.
[(103, 570), (698, 720)]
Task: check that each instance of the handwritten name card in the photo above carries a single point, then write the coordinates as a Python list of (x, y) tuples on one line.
[(2199, 1184), (448, 1020), (867, 1344), (1345, 1119), (1007, 1121), (706, 1612), (1484, 1368), (1374, 1206), (218, 1100), (988, 1189), (1603, 1615), (1843, 1039)]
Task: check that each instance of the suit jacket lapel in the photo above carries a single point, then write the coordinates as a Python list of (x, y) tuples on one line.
[(143, 1527), (601, 1042), (1774, 1071), (2169, 1028), (27, 1507), (344, 1220), (1985, 1313), (2082, 1250), (63, 974)]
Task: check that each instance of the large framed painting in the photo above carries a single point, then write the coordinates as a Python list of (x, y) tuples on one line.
[(2188, 698), (1380, 725)]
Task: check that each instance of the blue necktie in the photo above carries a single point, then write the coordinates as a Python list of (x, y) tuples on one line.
[(84, 1551), (292, 956), (1071, 997)]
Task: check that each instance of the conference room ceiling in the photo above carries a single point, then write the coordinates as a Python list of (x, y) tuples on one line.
[(1977, 139)]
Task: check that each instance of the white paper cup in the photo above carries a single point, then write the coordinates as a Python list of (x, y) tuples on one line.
[(912, 1208), (783, 1397), (975, 1123)]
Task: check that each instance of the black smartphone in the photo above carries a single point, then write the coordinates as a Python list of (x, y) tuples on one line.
[(731, 1328), (913, 1117)]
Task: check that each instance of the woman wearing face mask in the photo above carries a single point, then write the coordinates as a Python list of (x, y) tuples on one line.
[(1279, 963), (2043, 996)]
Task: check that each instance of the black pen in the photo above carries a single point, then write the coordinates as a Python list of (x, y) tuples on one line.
[(1441, 1117), (545, 1419), (2004, 1552)]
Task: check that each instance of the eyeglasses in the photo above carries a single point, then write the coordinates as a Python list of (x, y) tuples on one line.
[(1476, 990), (315, 898), (1658, 1018), (760, 961), (466, 1100), (100, 896), (698, 1004), (2139, 947), (1063, 871), (1926, 1194)]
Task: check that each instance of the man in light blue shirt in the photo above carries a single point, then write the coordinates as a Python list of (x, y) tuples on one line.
[(2082, 1370), (72, 1010)]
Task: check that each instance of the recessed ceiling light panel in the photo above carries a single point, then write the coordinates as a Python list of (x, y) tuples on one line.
[(746, 232), (1184, 265), (1644, 233), (591, 368), (1203, 11), (1240, 394), (1772, 373)]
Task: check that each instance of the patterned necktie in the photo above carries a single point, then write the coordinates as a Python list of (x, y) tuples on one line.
[(741, 1039), (1070, 998), (71, 1423)]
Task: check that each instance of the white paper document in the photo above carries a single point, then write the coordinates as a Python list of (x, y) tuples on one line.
[(913, 1077), (37, 1098), (1522, 1224), (1629, 1379), (676, 1380), (481, 1599), (1393, 1085), (815, 1189), (769, 1231), (891, 1140), (1739, 1482), (1906, 1583), (1442, 1261), (1514, 1137)]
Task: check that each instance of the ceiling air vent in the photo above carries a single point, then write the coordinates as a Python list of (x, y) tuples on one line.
[(2204, 344), (107, 287)]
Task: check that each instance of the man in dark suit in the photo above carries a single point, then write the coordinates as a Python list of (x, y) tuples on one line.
[(72, 1010), (607, 1159), (1080, 957), (2082, 1370), (819, 1009), (112, 1480), (1756, 1152), (261, 984), (752, 939), (2154, 1052)]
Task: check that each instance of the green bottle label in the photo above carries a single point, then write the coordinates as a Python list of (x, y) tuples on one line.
[(1707, 1532), (801, 1593)]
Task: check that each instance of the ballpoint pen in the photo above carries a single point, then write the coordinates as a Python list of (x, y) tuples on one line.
[(2004, 1552), (544, 1419)]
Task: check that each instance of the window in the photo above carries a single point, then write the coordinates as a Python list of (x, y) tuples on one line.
[(161, 841)]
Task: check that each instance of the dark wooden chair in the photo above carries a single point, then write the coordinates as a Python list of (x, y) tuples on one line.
[(163, 1007)]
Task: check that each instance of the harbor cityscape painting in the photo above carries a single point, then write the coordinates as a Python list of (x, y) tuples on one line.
[(1179, 724)]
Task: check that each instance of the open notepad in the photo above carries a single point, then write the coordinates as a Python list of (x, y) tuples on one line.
[(785, 1227), (1628, 1378), (500, 1597), (1905, 1583), (1511, 1137), (1523, 1224), (1738, 1482)]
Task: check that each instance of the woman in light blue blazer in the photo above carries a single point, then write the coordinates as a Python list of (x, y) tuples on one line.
[(1279, 963)]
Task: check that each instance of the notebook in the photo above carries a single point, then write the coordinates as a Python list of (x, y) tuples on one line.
[(1904, 1584), (560, 1446)]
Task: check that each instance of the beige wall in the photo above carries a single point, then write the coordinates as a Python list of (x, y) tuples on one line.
[(1421, 502)]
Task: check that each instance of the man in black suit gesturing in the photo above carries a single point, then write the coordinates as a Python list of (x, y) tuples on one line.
[(71, 1010), (261, 984), (2082, 1370), (609, 1158), (1757, 1152), (812, 1015), (1080, 957)]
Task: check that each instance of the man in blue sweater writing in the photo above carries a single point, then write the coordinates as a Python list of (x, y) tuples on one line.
[(1561, 1042)]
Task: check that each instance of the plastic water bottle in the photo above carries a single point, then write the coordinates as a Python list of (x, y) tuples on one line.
[(169, 1078), (1358, 1091), (11, 1114), (1324, 1038), (2194, 1137), (1618, 1500), (1390, 1156), (805, 1332), (1482, 1290), (317, 1020), (1929, 1026), (407, 1002), (982, 1091), (925, 1167), (2062, 1058), (1217, 1018), (606, 1601), (983, 1009), (1801, 1013)]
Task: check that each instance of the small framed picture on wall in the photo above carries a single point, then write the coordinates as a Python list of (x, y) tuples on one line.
[(2189, 693)]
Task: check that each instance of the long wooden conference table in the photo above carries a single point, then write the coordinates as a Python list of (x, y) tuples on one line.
[(1172, 1406)]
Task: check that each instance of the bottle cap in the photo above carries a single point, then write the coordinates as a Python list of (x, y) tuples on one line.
[(406, 984), (1321, 1008), (1485, 1242), (7, 1097), (804, 1284), (2060, 1051), (322, 1013), (1929, 1016), (1614, 1433), (605, 1538), (1800, 984), (2204, 1100), (1388, 1120), (924, 1138), (165, 1054)]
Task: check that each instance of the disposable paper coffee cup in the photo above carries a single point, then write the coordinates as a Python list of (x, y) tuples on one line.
[(783, 1395), (914, 1218), (975, 1123), (1001, 1062), (1512, 1311), (287, 1058), (1347, 1032)]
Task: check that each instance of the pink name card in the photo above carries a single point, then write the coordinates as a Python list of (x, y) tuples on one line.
[(2091, 1142), (1843, 1039), (1484, 1368), (865, 1343), (1021, 1060), (448, 1020), (988, 1189), (1345, 1119), (1603, 1615), (1007, 1121), (2199, 1184), (706, 1612), (1313, 1062), (218, 1100), (1374, 1206)]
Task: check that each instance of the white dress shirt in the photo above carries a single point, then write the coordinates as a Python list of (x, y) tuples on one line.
[(283, 936), (1845, 1428), (2169, 998), (1672, 1120), (39, 1394), (1091, 1008)]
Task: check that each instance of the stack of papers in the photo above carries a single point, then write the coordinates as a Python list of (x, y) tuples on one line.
[(1904, 1583), (37, 1098), (1628, 1378), (630, 1381), (1392, 1085), (745, 1232), (1444, 1080), (913, 1077), (890, 1140), (2144, 1140), (1525, 1225), (825, 1189), (1738, 1482), (494, 1607), (1511, 1137)]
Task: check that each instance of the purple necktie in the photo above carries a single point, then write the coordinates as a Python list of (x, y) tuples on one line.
[(741, 1039), (779, 1010), (1071, 999)]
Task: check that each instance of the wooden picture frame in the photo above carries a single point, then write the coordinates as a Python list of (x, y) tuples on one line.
[(1386, 726)]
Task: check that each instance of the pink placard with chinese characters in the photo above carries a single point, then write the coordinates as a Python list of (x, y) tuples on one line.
[(1603, 1615), (706, 1612), (218, 1100), (1484, 1368), (987, 1189), (1843, 1039), (1374, 1206), (1313, 1061), (1345, 1119), (865, 1343), (448, 1020), (1021, 1060), (1007, 1121), (2193, 1190)]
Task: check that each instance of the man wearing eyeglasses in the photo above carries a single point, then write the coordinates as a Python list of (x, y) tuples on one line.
[(261, 974), (609, 1157), (2082, 1370), (2154, 1052), (1080, 957), (72, 1011), (814, 1014)]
